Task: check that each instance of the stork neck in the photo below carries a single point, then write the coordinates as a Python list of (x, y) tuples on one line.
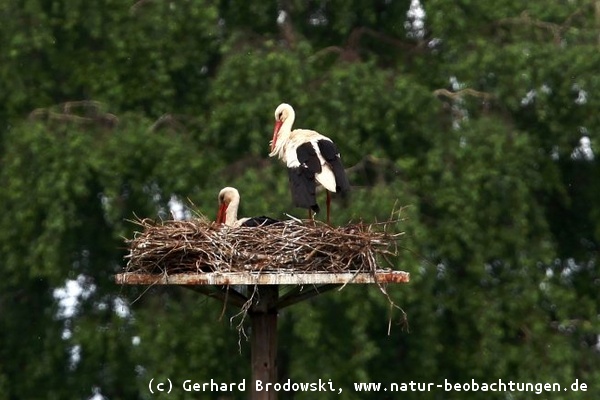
[(283, 136), (286, 127), (231, 212)]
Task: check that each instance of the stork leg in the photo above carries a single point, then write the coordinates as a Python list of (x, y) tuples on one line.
[(328, 206), (311, 217)]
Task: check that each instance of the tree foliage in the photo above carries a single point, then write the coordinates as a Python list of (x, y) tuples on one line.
[(476, 121)]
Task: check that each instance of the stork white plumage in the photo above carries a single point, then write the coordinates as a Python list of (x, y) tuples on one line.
[(311, 158), (229, 203)]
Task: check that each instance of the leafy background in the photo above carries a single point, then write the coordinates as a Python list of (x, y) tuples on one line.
[(480, 119)]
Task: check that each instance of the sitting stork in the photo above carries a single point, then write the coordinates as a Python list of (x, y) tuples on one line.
[(229, 202), (311, 158)]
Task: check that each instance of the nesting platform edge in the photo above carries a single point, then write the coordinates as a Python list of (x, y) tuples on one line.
[(263, 278)]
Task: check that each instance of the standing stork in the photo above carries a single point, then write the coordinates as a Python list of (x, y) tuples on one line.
[(229, 202), (311, 158)]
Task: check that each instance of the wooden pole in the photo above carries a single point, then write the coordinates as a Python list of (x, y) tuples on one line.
[(263, 319)]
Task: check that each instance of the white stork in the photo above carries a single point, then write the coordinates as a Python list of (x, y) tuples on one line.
[(229, 202), (311, 158)]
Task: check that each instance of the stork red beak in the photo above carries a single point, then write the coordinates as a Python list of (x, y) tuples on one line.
[(221, 213), (275, 132)]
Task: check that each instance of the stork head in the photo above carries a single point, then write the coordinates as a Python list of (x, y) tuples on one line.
[(227, 195), (283, 113)]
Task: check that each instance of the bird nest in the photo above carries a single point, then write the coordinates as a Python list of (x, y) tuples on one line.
[(198, 246)]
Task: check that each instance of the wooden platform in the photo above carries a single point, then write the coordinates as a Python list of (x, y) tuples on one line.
[(264, 278)]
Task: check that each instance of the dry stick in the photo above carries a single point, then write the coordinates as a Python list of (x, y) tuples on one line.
[(243, 312)]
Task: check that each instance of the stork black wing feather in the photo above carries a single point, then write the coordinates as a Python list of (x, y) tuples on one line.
[(328, 150), (302, 178), (259, 221), (307, 155), (331, 154), (303, 188)]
